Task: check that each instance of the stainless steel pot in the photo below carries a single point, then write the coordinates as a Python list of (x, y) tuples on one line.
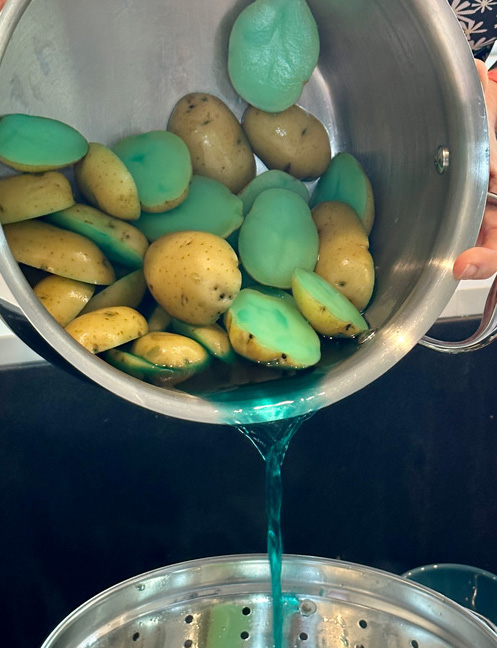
[(395, 85), (226, 601)]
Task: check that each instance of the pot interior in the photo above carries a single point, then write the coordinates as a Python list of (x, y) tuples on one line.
[(394, 83)]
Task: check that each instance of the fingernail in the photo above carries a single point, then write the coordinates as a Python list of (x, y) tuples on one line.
[(469, 271)]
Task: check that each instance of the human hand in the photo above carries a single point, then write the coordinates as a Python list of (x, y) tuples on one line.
[(480, 262)]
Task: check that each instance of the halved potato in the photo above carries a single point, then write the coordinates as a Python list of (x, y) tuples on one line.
[(63, 298), (120, 241), (213, 338), (324, 307), (106, 183), (344, 258), (173, 351), (126, 291), (271, 331), (58, 251), (32, 143), (107, 328), (30, 195), (142, 369)]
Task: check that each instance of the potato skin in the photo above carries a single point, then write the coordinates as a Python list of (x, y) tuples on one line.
[(293, 141), (217, 144), (194, 276), (344, 257), (107, 184), (107, 328), (63, 298)]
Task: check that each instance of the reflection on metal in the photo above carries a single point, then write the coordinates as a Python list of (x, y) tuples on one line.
[(484, 335), (442, 159)]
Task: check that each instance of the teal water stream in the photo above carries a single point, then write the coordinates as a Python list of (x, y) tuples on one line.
[(272, 440)]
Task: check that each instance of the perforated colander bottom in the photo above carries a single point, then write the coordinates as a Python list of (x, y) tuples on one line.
[(226, 603)]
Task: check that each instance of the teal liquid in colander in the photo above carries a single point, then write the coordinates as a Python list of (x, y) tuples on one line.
[(272, 440)]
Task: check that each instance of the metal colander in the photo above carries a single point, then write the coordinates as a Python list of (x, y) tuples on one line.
[(226, 603)]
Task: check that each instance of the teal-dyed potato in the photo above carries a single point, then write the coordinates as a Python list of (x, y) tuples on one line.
[(277, 236), (106, 183), (215, 139), (126, 291), (346, 181), (31, 143), (172, 351), (107, 328), (344, 257), (58, 251), (271, 331), (63, 298), (32, 195), (213, 338), (209, 207), (292, 140), (324, 307), (161, 167), (142, 369), (273, 179), (194, 276), (273, 50), (120, 241)]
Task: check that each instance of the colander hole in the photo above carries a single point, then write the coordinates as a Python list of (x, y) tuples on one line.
[(188, 643), (363, 623), (246, 611), (244, 634), (188, 619), (359, 646), (136, 636), (414, 644), (303, 636)]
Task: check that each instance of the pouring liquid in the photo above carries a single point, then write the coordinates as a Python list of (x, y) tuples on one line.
[(272, 440)]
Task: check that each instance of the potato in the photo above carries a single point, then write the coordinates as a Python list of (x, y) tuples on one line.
[(269, 330), (126, 291), (107, 328), (344, 257), (216, 141), (346, 181), (120, 241), (176, 352), (29, 196), (58, 251), (194, 276), (145, 370), (293, 141), (324, 307), (32, 143), (106, 183), (63, 298), (213, 338), (161, 168)]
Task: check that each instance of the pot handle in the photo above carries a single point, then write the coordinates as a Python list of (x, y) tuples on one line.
[(485, 333)]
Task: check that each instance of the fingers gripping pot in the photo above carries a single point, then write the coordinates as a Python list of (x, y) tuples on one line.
[(395, 85)]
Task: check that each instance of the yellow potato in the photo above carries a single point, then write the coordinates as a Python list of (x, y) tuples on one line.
[(126, 291), (171, 350), (63, 298), (158, 320), (344, 257), (58, 251), (215, 139), (293, 141), (107, 184), (31, 195), (107, 328), (194, 276)]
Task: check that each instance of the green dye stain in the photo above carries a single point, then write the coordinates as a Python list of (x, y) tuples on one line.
[(272, 440)]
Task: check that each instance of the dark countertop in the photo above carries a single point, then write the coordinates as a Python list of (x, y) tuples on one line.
[(94, 490)]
